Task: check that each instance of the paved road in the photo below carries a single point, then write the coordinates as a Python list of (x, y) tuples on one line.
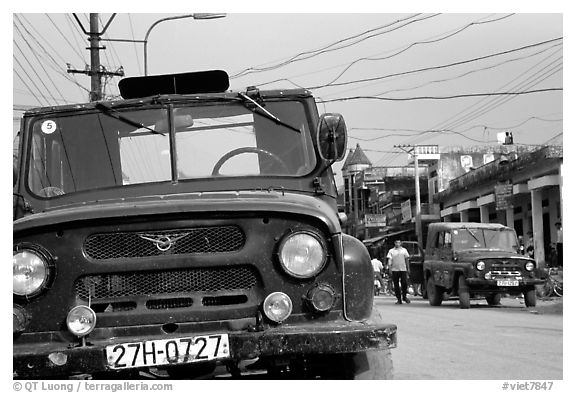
[(506, 342)]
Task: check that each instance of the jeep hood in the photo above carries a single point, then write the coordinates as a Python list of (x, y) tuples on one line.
[(213, 202), (484, 253)]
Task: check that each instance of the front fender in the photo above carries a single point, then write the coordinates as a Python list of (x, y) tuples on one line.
[(358, 279)]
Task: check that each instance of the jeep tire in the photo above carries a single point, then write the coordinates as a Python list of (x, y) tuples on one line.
[(530, 297), (493, 299), (463, 293), (435, 293)]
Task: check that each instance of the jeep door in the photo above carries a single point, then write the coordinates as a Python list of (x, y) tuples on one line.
[(416, 262)]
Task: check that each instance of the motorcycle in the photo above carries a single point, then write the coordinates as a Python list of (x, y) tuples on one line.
[(377, 287)]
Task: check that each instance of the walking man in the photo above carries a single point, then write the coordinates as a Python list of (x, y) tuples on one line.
[(377, 267), (398, 265), (559, 243)]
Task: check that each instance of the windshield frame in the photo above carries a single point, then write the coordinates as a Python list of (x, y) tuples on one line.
[(479, 234), (170, 106)]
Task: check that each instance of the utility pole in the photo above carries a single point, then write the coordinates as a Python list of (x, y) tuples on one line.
[(419, 235), (96, 71)]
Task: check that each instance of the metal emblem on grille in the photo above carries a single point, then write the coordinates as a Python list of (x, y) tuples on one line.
[(163, 242)]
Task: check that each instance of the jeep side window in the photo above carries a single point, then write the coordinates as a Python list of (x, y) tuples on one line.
[(447, 240)]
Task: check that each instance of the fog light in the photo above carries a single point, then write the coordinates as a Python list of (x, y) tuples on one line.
[(277, 306), (321, 297), (58, 358), (488, 276), (81, 320)]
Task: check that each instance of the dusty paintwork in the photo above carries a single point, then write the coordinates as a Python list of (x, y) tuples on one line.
[(181, 256)]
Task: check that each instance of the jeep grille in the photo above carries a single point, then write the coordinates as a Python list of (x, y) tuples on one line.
[(501, 268), (154, 243), (106, 286)]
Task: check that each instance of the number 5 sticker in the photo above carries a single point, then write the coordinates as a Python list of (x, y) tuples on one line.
[(48, 127)]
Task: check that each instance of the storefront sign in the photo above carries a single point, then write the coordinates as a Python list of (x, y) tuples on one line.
[(503, 195), (406, 210), (375, 220)]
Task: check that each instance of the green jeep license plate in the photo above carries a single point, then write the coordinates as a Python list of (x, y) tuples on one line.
[(507, 283)]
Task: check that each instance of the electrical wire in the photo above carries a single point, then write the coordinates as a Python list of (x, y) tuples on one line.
[(37, 96), (453, 78), (134, 43), (65, 38), (40, 63), (430, 41), (328, 48), (492, 104), (432, 68), (48, 54)]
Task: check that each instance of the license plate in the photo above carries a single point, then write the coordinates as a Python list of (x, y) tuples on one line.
[(168, 351), (507, 283)]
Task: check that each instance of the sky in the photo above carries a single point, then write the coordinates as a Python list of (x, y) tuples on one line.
[(397, 78), (389, 44)]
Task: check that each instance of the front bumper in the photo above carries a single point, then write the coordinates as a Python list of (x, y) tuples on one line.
[(483, 285), (34, 360)]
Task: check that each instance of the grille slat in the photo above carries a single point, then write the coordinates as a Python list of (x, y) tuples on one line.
[(156, 243), (110, 286)]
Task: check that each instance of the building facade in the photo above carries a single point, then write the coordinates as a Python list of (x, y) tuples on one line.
[(518, 186)]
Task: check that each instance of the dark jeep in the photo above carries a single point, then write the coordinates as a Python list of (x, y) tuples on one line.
[(466, 259), (188, 230)]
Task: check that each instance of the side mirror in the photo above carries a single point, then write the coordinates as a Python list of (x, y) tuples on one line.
[(331, 137)]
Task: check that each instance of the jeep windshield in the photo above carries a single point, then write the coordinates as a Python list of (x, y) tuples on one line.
[(492, 239), (112, 147)]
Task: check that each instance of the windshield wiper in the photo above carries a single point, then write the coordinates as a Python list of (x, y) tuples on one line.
[(473, 235), (118, 116), (263, 112)]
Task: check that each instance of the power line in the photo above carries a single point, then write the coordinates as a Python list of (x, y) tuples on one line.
[(453, 78), (458, 31), (134, 44), (65, 38), (40, 63), (55, 65), (434, 67), (328, 48), (491, 105), (26, 84), (503, 93)]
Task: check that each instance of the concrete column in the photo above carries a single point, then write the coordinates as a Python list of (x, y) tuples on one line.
[(560, 190), (464, 216), (538, 226), (484, 213), (510, 217)]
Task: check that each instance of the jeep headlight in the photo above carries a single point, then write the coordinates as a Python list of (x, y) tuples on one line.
[(529, 266), (30, 272), (480, 265), (302, 254)]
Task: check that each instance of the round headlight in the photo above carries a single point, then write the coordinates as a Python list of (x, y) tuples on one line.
[(81, 320), (480, 265), (302, 254), (29, 272), (529, 266), (277, 306)]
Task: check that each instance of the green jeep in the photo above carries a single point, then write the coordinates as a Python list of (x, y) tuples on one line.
[(188, 230)]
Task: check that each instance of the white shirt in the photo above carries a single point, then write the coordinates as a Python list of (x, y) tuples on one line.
[(397, 258), (377, 265)]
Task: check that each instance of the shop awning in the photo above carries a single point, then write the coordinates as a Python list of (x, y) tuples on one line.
[(383, 237)]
